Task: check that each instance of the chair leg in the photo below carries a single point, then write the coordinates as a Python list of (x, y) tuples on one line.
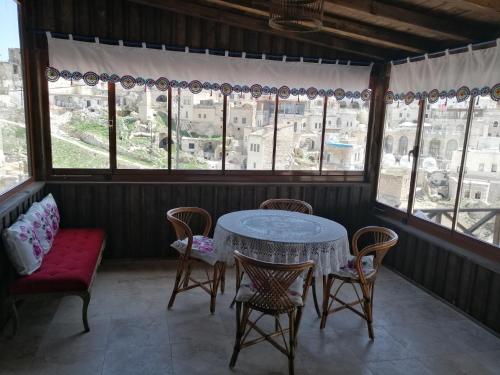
[(86, 300), (240, 330), (214, 287), (223, 278), (315, 298), (15, 317), (238, 282), (368, 309), (178, 277), (327, 286), (187, 275), (292, 333)]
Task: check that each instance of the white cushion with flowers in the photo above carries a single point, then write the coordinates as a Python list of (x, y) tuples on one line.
[(349, 269), (41, 224), (51, 212), (23, 247), (248, 289), (202, 248)]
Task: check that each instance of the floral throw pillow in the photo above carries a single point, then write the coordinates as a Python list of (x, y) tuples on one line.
[(23, 247), (51, 212), (41, 225)]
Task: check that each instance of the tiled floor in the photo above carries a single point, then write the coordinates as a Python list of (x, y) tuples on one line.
[(133, 333)]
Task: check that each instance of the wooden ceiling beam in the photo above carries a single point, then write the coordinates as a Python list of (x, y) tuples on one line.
[(479, 5), (193, 9), (348, 29), (453, 29)]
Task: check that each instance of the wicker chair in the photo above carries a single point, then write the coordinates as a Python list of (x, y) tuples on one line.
[(287, 205), (195, 249), (270, 289), (360, 271), (294, 205)]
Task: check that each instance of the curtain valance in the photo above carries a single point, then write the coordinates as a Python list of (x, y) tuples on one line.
[(132, 66), (475, 72)]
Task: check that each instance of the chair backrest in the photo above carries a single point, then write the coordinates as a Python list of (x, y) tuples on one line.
[(287, 205), (377, 241), (272, 281), (182, 218)]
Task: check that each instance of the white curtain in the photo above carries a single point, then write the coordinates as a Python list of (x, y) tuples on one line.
[(72, 59), (472, 72)]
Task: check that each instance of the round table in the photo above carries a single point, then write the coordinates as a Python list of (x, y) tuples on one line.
[(282, 237)]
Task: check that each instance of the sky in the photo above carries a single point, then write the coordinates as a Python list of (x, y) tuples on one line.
[(9, 31)]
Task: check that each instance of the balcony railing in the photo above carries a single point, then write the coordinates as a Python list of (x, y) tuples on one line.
[(438, 214)]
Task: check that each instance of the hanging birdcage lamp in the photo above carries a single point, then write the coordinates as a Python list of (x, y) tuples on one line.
[(296, 15)]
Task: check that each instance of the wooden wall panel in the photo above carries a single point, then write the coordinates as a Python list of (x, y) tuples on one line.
[(459, 277), (133, 214)]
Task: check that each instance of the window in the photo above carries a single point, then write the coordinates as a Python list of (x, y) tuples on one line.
[(294, 149), (396, 164), (345, 144), (78, 126), (477, 217), (141, 128), (204, 135), (436, 181), (243, 142), (14, 168)]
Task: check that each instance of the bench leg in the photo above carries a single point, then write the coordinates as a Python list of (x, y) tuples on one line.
[(86, 300), (15, 317)]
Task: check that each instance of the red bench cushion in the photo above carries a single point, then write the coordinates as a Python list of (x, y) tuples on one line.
[(69, 266)]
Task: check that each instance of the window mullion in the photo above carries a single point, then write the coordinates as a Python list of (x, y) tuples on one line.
[(224, 122), (112, 126), (276, 104), (416, 156), (323, 131), (169, 122), (461, 173)]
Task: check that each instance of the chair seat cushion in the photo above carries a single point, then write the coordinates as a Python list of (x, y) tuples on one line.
[(202, 249), (247, 290), (68, 267), (349, 269)]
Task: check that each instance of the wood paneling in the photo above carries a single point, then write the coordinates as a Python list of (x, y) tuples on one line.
[(10, 210), (133, 214), (465, 280)]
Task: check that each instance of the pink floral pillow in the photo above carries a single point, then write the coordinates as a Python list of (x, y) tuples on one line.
[(51, 212), (41, 225), (23, 247)]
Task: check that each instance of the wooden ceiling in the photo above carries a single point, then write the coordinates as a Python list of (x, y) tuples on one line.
[(364, 29)]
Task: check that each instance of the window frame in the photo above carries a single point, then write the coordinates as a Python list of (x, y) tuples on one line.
[(173, 175), (474, 244), (26, 55)]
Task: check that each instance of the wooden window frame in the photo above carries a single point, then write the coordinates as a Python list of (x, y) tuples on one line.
[(188, 175), (474, 244)]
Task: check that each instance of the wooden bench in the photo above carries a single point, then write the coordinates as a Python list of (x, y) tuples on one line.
[(68, 269)]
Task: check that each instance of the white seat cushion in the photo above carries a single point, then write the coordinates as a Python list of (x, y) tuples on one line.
[(349, 269), (203, 248), (247, 290)]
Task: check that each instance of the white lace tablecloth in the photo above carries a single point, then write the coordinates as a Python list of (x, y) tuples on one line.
[(282, 237)]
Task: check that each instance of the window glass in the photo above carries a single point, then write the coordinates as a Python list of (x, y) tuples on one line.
[(400, 130), (79, 124), (438, 168), (298, 141), (479, 210), (250, 131), (14, 167), (197, 129), (141, 128), (345, 134)]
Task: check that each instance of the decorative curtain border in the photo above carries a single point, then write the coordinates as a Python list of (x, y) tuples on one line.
[(460, 76), (131, 66)]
